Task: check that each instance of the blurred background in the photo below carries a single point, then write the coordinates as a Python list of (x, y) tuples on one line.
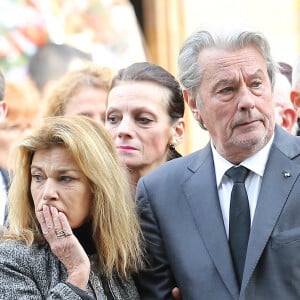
[(117, 33)]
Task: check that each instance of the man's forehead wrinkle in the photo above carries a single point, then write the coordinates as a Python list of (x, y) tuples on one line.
[(249, 70), (224, 62)]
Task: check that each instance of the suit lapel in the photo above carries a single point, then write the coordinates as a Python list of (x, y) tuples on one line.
[(202, 197), (279, 177)]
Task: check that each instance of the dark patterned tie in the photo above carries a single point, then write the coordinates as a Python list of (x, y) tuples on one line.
[(239, 219)]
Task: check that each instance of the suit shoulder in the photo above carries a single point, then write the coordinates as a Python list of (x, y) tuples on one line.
[(176, 166), (288, 144)]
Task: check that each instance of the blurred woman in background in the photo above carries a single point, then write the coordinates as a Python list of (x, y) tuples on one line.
[(23, 108), (80, 92)]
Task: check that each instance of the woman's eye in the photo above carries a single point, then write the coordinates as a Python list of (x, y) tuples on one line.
[(85, 114), (37, 177), (66, 178), (144, 121), (112, 119)]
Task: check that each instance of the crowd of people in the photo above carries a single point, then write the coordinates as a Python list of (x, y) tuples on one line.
[(97, 203)]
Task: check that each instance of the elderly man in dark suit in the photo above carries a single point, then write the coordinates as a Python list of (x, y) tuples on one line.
[(3, 173), (212, 235)]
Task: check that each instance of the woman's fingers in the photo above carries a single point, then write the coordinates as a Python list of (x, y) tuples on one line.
[(65, 224), (64, 244), (50, 222), (59, 230), (41, 219), (48, 219), (45, 219)]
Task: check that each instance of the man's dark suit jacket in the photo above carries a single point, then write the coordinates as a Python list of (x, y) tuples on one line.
[(183, 226)]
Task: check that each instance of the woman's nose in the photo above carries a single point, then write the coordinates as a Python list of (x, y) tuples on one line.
[(125, 127), (50, 190)]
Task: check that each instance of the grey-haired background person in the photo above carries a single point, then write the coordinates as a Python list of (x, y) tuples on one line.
[(227, 80), (295, 92), (285, 112), (4, 182), (72, 229), (286, 70)]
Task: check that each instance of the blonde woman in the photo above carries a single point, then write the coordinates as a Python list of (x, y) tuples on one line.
[(80, 92), (73, 232)]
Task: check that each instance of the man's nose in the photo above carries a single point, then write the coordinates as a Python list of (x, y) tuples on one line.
[(246, 98)]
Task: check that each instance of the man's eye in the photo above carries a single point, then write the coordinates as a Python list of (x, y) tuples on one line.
[(256, 84), (226, 90)]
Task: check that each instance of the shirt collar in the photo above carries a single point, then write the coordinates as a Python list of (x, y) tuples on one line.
[(255, 163)]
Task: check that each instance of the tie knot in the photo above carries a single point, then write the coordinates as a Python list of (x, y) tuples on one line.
[(237, 174)]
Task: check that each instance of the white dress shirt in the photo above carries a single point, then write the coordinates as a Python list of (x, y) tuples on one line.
[(256, 164)]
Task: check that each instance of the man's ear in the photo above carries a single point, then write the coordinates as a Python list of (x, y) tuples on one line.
[(295, 98), (192, 103), (289, 119)]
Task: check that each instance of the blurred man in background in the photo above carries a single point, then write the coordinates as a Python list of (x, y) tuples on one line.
[(52, 61), (285, 112), (295, 92)]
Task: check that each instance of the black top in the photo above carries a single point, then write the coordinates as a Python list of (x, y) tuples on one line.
[(84, 234)]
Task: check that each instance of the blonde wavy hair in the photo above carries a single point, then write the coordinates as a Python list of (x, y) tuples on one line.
[(116, 230), (71, 83)]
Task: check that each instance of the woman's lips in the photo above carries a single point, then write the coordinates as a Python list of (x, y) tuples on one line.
[(126, 148)]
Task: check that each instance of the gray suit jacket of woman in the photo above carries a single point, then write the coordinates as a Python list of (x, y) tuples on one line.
[(36, 273)]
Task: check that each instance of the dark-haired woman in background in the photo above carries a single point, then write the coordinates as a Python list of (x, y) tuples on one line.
[(144, 115)]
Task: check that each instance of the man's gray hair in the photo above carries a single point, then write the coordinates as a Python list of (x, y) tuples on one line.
[(190, 72)]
